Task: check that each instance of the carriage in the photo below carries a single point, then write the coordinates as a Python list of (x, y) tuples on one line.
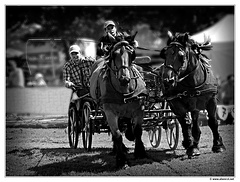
[(85, 117)]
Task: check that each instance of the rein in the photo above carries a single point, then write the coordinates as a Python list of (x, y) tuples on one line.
[(194, 91), (134, 75), (190, 73), (115, 71)]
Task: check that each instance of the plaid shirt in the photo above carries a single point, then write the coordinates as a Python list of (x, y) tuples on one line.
[(78, 73)]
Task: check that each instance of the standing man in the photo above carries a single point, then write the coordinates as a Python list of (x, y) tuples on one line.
[(77, 71)]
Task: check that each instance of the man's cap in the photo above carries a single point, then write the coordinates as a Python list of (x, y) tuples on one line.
[(74, 48), (107, 23), (38, 75)]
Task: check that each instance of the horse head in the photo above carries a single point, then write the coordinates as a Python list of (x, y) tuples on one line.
[(122, 55), (176, 56)]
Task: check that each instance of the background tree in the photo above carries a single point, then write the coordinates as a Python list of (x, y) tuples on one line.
[(71, 22)]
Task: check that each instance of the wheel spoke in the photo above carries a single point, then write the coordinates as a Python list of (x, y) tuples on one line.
[(87, 133)]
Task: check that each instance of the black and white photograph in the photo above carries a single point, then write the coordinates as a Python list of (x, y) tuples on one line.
[(120, 91)]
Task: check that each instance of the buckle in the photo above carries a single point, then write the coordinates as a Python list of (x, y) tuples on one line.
[(184, 93), (198, 93)]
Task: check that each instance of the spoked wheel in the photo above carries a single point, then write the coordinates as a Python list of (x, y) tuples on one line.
[(155, 135), (87, 126), (172, 133), (73, 127)]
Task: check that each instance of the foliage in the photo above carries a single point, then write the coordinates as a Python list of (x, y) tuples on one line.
[(71, 22)]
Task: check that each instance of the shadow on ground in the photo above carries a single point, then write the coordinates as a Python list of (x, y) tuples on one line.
[(65, 161)]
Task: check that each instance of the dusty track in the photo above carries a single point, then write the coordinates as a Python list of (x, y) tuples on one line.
[(46, 152)]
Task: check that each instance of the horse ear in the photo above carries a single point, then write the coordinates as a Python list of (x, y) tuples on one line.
[(134, 35), (170, 35), (186, 37), (162, 53)]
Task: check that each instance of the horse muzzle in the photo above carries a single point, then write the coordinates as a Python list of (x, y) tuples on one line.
[(169, 83), (124, 80)]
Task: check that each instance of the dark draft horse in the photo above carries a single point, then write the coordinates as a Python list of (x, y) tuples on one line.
[(120, 91), (190, 86)]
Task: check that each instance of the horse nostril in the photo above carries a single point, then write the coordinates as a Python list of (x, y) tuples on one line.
[(168, 81), (124, 81), (171, 81), (165, 80)]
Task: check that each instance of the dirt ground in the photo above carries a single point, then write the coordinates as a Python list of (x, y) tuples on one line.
[(46, 152)]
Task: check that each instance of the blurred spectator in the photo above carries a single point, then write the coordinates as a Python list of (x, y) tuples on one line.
[(16, 76), (227, 91), (38, 81)]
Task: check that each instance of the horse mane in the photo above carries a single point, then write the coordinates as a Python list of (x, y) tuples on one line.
[(185, 40)]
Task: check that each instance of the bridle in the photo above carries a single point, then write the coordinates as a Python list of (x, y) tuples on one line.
[(185, 54), (112, 66), (129, 49)]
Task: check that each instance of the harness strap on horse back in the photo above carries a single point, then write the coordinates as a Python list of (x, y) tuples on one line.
[(196, 93)]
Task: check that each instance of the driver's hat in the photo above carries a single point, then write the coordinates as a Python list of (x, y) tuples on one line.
[(74, 48), (107, 23)]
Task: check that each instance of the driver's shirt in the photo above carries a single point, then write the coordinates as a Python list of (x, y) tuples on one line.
[(78, 73)]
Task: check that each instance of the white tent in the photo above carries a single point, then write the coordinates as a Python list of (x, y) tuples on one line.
[(222, 38)]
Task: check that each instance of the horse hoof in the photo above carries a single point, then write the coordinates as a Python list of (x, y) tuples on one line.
[(122, 165), (126, 166), (196, 152), (218, 149), (192, 151)]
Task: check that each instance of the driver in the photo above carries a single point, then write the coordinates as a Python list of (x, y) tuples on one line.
[(76, 72), (110, 37)]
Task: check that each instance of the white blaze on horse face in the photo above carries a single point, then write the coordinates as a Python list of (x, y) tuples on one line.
[(125, 65), (123, 68)]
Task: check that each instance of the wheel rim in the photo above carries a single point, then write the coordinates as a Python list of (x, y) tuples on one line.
[(172, 133), (87, 133), (155, 136), (73, 128)]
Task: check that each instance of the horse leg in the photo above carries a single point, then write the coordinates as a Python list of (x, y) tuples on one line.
[(121, 157), (129, 132), (186, 124), (196, 132), (114, 150), (218, 145), (121, 128), (139, 151)]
